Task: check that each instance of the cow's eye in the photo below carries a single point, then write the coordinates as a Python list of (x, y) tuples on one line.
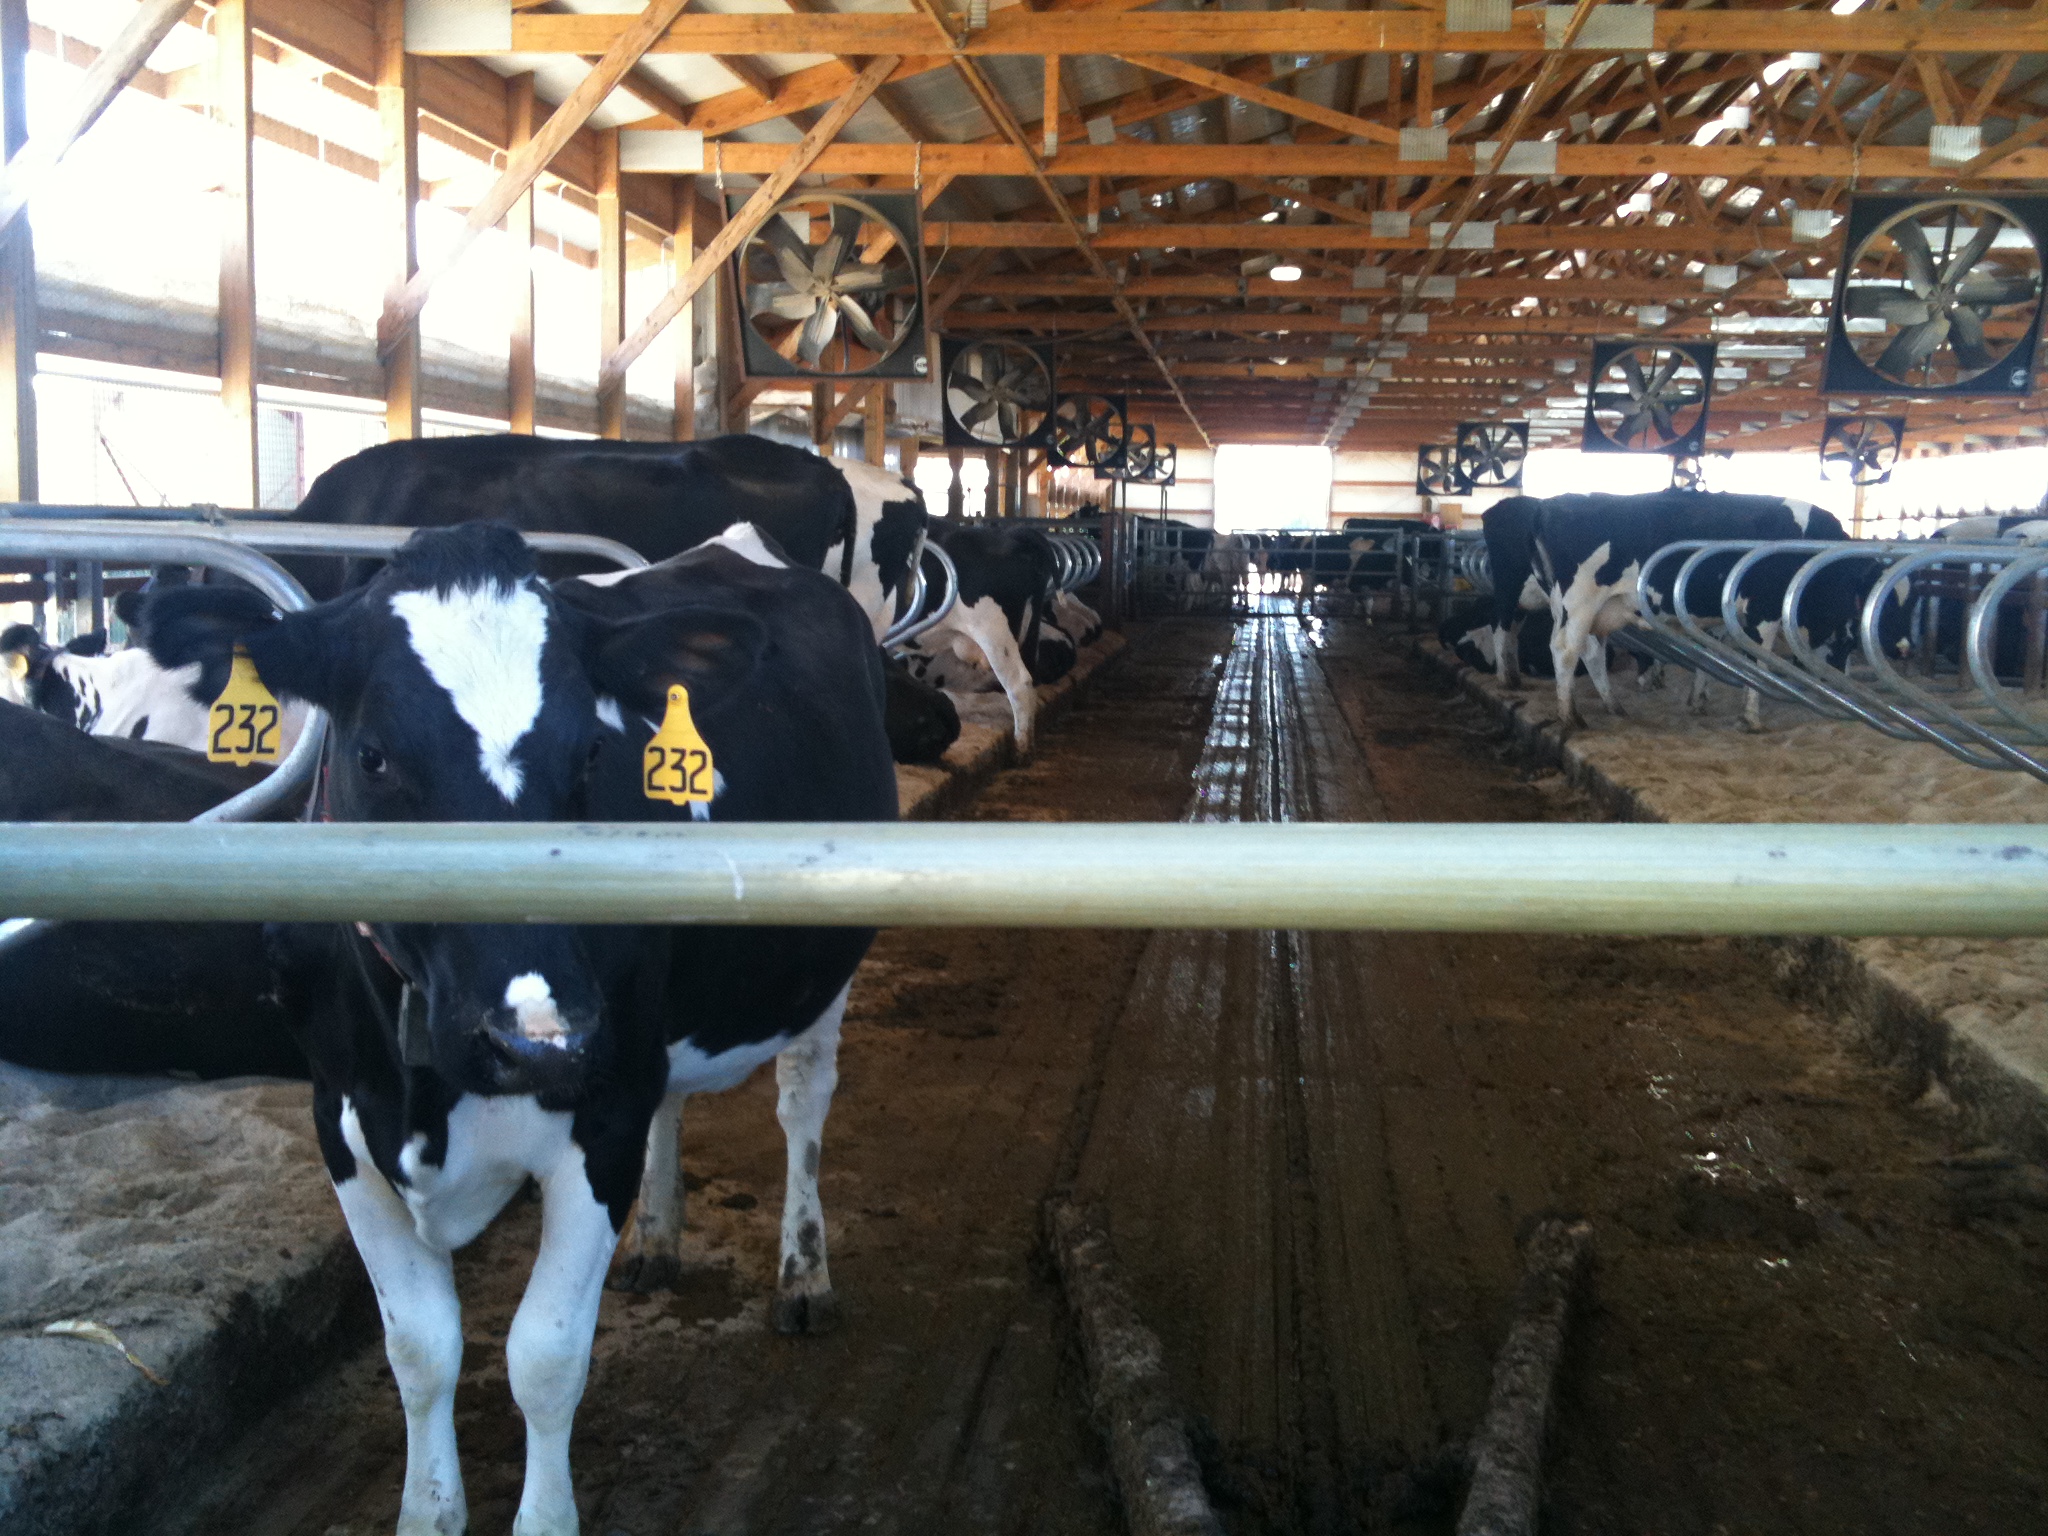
[(372, 762)]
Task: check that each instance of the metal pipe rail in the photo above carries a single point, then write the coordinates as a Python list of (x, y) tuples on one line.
[(1986, 731), (1620, 878), (913, 623)]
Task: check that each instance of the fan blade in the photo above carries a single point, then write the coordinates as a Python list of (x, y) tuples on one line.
[(1986, 291), (1008, 422), (983, 409), (818, 333), (1660, 413), (795, 270), (1912, 347), (1632, 374), (861, 279), (793, 306), (826, 263), (1906, 311), (863, 329), (1966, 335), (1868, 301), (1912, 243), (1664, 375), (1960, 264)]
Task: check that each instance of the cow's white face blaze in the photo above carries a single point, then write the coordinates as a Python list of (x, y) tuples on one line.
[(483, 646)]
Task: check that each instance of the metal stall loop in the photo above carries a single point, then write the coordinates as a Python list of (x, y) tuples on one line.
[(1527, 878), (1971, 619)]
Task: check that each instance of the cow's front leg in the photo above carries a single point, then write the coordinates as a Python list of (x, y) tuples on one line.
[(547, 1352), (984, 624), (415, 1286), (1752, 699), (652, 1260), (806, 1073), (1596, 669), (1567, 640)]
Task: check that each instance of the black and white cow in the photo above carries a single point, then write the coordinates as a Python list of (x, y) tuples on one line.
[(1588, 551), (2027, 527), (1002, 618), (453, 1061), (122, 693), (859, 523), (131, 997), (1509, 528)]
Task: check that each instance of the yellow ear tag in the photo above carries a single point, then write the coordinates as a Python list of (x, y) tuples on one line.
[(17, 664), (244, 725), (676, 766)]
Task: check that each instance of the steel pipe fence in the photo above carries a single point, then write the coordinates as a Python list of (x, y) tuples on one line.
[(1950, 637), (1464, 877)]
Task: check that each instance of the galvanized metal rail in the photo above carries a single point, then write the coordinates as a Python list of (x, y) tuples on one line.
[(1623, 878), (1959, 702)]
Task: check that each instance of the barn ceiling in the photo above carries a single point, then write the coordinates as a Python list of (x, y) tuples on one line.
[(1470, 193)]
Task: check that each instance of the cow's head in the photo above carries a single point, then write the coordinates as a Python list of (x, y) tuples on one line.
[(459, 689), (46, 682)]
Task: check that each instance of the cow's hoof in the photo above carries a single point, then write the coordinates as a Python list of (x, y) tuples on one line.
[(801, 1312), (641, 1273), (1754, 727)]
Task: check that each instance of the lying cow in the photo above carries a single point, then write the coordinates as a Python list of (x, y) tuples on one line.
[(1588, 551), (451, 1062), (131, 997), (2026, 527)]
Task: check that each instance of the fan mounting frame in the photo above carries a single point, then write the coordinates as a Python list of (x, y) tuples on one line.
[(1846, 371), (1113, 411), (1852, 435), (1649, 368), (897, 214), (1135, 465), (954, 350), (1497, 450), (1435, 473)]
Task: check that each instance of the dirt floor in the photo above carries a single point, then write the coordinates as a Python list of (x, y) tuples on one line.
[(1813, 1306)]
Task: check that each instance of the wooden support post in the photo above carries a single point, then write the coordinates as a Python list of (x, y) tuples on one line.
[(18, 320), (991, 494), (1052, 105), (686, 319), (956, 492), (906, 457), (821, 416), (875, 424), (399, 174), (521, 381), (1425, 90), (611, 283), (241, 482)]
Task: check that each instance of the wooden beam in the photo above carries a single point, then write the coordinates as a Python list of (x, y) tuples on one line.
[(1130, 160), (521, 380), (398, 165), (240, 482), (625, 49), (1021, 30), (1025, 235), (2007, 148), (19, 328), (751, 216), (684, 252), (31, 165), (1050, 113), (875, 423), (611, 284), (1244, 90)]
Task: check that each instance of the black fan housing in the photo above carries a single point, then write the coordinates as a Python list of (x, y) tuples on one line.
[(1434, 473), (1489, 455), (1687, 473), (831, 286), (995, 393), (1861, 450), (1649, 397), (1938, 296), (1089, 431)]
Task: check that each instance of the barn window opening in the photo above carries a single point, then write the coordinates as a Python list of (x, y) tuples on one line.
[(1272, 485)]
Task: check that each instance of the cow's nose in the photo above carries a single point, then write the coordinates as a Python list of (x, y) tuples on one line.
[(533, 1043)]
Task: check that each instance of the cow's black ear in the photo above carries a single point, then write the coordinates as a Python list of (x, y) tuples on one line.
[(25, 641), (92, 643), (204, 625), (710, 651), (128, 609)]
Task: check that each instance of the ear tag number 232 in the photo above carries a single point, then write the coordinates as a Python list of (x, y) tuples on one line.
[(243, 727), (676, 765)]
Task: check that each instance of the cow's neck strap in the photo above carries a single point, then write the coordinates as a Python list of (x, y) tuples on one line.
[(415, 1043)]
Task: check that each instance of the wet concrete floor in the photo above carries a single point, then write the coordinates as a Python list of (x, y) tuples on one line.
[(1815, 1305)]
